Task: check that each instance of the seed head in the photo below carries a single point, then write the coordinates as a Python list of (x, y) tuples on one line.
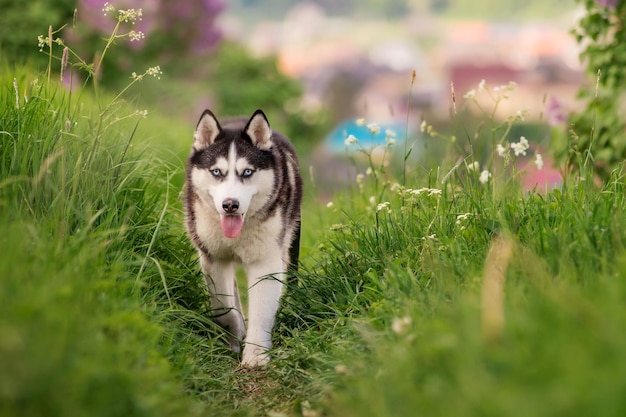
[(64, 58), (17, 94)]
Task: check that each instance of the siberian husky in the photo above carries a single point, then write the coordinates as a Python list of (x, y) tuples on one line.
[(242, 203)]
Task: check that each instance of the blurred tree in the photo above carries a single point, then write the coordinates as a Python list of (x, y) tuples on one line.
[(21, 22), (242, 80), (173, 32), (369, 8), (505, 10), (240, 84), (340, 8), (437, 6), (598, 133)]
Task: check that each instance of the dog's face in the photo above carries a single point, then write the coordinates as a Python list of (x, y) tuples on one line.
[(231, 168)]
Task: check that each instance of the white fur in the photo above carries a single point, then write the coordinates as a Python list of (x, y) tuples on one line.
[(215, 192)]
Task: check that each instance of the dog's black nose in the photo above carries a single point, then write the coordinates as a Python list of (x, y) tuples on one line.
[(230, 205)]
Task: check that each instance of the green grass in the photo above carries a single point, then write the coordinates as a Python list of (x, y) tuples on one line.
[(559, 350), (103, 310)]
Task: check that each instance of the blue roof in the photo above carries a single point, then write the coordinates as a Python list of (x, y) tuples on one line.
[(335, 140)]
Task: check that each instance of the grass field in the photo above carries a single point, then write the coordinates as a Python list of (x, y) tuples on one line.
[(442, 296)]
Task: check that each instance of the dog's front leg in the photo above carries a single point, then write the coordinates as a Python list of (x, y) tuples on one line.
[(225, 304), (265, 286)]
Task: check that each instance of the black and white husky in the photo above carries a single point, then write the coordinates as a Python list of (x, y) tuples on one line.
[(242, 202)]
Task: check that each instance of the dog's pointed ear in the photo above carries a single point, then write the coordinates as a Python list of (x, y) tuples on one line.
[(259, 131), (207, 130)]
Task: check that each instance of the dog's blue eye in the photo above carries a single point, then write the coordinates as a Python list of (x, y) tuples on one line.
[(216, 172), (246, 173)]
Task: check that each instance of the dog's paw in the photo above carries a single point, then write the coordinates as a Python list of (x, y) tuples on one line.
[(254, 356), (234, 343)]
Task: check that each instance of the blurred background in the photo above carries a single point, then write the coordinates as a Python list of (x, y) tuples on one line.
[(315, 66)]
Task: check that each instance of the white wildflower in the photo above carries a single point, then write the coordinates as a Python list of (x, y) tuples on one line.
[(42, 42), (481, 85), (330, 204), (341, 369), (129, 15), (359, 178), (108, 8), (539, 161), (399, 324), (373, 128), (369, 171), (434, 191), (360, 122), (350, 140), (390, 137), (519, 148), (462, 218), (155, 72), (484, 176), (423, 126), (134, 35), (470, 94), (474, 166), (501, 150), (382, 206), (430, 191)]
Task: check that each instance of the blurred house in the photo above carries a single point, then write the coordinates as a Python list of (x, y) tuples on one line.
[(541, 60), (362, 68)]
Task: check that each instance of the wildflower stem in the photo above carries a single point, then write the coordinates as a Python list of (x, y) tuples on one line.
[(100, 59), (406, 129), (591, 133), (49, 53)]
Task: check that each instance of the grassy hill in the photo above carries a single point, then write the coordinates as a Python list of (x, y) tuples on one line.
[(428, 292)]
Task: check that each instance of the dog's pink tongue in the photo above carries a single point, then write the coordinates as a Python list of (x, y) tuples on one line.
[(231, 225)]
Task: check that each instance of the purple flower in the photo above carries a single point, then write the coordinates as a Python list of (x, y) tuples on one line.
[(192, 22), (609, 4), (555, 112), (187, 22)]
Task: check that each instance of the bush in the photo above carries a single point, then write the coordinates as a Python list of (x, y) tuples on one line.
[(598, 133)]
